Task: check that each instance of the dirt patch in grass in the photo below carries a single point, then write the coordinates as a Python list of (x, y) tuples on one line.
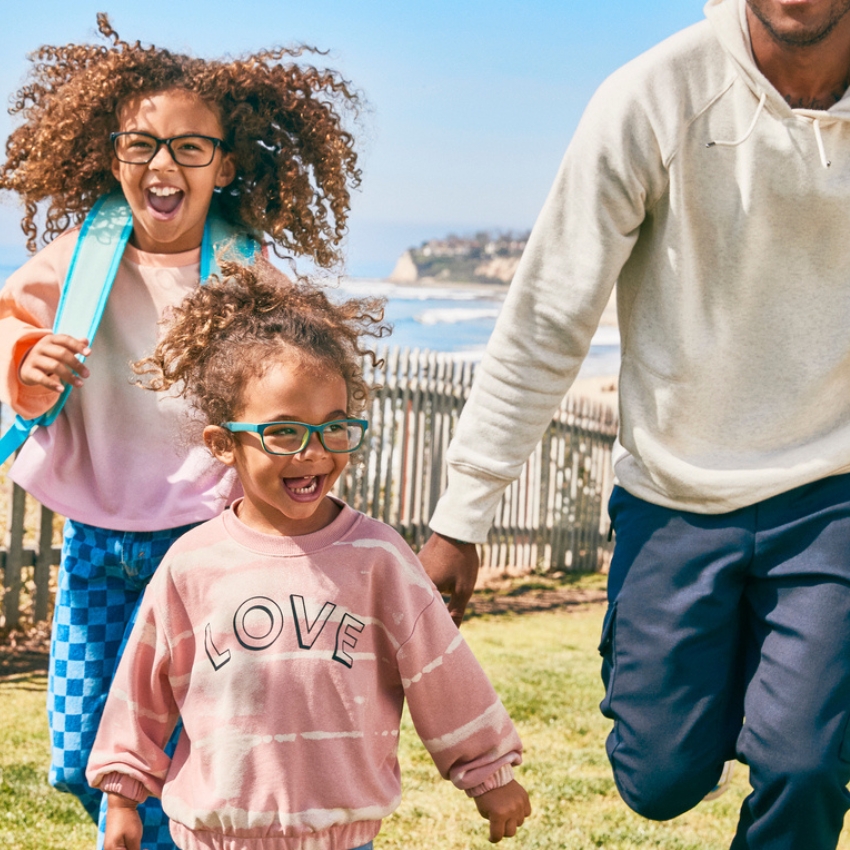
[(533, 599), (525, 594), (24, 653)]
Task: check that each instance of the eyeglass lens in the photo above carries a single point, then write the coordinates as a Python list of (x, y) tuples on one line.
[(292, 437), (141, 148)]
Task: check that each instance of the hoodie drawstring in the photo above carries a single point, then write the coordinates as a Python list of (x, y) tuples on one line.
[(815, 126), (824, 161), (746, 135)]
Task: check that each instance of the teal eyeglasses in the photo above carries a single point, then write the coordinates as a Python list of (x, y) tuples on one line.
[(289, 438)]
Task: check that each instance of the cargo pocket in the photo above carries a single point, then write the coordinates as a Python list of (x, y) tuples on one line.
[(607, 651)]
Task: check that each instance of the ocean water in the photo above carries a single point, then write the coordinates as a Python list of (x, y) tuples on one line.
[(455, 319), (460, 320)]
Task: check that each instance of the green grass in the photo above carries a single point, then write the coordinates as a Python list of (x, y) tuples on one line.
[(545, 667), (32, 815)]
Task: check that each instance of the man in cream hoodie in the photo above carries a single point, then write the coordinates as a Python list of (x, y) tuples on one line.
[(710, 179)]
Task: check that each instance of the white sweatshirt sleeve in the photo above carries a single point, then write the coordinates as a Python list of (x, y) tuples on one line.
[(611, 174)]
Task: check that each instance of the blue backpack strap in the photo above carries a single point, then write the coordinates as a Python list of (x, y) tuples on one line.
[(222, 241), (15, 437), (97, 256)]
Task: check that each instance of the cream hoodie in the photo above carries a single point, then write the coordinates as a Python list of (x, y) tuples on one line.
[(732, 264)]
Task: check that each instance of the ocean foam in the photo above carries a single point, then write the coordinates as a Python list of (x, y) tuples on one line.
[(453, 316)]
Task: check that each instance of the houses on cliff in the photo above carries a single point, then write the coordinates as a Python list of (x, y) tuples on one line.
[(484, 258)]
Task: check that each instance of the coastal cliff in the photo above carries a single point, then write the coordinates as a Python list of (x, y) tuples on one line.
[(485, 258)]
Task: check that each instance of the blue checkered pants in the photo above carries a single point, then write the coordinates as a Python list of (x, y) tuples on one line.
[(102, 577)]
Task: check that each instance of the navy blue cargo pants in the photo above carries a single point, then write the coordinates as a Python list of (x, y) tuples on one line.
[(728, 636)]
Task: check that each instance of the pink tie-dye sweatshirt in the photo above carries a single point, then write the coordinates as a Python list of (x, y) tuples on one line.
[(288, 660)]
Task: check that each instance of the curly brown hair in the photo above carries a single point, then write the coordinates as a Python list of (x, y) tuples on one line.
[(232, 329), (283, 123)]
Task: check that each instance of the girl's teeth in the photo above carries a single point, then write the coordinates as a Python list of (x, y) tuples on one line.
[(308, 488), (164, 191)]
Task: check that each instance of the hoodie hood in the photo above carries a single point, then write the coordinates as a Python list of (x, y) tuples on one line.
[(728, 19)]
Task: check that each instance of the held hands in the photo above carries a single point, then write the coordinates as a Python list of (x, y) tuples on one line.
[(453, 567), (506, 808), (123, 824), (52, 363)]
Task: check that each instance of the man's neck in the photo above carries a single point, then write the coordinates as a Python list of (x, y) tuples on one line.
[(808, 77)]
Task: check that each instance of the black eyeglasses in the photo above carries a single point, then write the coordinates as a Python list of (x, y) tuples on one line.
[(190, 150)]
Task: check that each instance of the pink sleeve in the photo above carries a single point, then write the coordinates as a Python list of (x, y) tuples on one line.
[(141, 711), (120, 783), (28, 305), (454, 708)]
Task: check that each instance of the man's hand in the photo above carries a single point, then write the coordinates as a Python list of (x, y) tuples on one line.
[(52, 363), (453, 567), (506, 808), (123, 824)]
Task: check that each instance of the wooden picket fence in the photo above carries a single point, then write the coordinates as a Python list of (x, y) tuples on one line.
[(552, 518)]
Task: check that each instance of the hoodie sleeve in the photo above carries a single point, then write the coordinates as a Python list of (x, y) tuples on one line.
[(28, 303), (611, 174), (129, 755), (455, 710)]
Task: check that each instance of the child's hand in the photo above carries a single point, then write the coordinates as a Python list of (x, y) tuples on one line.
[(506, 808), (52, 361), (123, 824)]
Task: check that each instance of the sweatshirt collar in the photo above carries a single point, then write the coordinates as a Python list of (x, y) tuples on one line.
[(305, 544), (169, 261)]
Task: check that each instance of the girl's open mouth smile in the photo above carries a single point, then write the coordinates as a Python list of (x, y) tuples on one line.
[(305, 488), (164, 201)]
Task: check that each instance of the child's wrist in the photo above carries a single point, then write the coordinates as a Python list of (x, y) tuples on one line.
[(114, 800)]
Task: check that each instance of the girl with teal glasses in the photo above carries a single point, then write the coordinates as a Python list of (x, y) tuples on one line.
[(287, 633)]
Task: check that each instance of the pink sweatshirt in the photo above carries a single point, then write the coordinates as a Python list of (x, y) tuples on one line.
[(288, 661), (117, 457)]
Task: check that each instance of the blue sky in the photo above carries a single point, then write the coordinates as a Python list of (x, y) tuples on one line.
[(471, 103)]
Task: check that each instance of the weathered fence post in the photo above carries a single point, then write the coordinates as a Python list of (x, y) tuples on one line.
[(44, 559), (14, 557)]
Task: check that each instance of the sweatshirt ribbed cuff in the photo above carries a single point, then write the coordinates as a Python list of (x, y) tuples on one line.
[(502, 776), (126, 786), (466, 510)]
